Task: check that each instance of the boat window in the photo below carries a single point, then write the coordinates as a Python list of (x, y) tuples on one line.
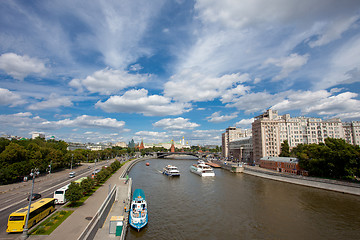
[(133, 206), (143, 206)]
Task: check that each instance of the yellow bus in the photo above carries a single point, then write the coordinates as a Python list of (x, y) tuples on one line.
[(38, 211)]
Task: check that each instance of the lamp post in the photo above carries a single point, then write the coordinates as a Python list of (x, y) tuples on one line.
[(72, 159), (33, 173)]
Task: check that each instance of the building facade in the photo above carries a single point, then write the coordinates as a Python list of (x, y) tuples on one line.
[(231, 134), (282, 164), (352, 132), (269, 130), (241, 150)]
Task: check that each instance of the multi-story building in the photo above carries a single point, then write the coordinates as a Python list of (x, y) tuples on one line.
[(241, 150), (352, 132), (231, 134), (270, 130)]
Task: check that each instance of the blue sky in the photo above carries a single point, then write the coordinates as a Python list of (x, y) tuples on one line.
[(109, 71)]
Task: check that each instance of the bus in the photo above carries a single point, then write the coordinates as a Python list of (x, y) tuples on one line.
[(80, 180), (38, 211), (59, 195)]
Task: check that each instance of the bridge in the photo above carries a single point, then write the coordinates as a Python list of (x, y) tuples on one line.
[(166, 154)]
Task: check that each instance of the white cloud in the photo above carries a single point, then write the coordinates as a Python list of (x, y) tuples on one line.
[(9, 98), (88, 121), (107, 81), (216, 117), (54, 101), (344, 65), (138, 101), (150, 134), (300, 100), (320, 102), (236, 92), (255, 102), (245, 123), (333, 30), (288, 64), (192, 85), (344, 103), (175, 123), (20, 67)]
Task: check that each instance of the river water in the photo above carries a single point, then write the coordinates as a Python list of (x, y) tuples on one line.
[(239, 206)]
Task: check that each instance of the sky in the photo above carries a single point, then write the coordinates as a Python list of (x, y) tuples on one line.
[(112, 71)]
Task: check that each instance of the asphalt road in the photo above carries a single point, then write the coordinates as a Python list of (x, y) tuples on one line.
[(14, 196)]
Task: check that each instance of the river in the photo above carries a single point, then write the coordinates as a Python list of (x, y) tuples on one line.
[(239, 206)]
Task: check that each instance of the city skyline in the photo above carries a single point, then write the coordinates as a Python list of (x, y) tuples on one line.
[(112, 71)]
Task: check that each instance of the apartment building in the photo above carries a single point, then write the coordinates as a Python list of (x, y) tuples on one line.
[(352, 132), (270, 130), (231, 134)]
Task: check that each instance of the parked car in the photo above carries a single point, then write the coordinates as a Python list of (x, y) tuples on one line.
[(34, 196)]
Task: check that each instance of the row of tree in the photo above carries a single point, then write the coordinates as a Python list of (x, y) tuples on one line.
[(76, 191), (332, 159), (18, 157)]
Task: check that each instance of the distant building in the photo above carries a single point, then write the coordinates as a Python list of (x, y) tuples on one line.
[(231, 134), (121, 144), (74, 146), (35, 135)]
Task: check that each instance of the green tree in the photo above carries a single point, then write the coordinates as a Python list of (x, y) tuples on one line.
[(285, 149), (74, 192), (87, 184)]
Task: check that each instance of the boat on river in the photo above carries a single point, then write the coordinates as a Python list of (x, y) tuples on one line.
[(171, 170), (138, 217), (202, 169)]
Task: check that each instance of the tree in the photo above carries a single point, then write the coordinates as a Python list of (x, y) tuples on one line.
[(87, 184), (285, 149), (74, 192)]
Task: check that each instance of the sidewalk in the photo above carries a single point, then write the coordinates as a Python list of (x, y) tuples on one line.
[(75, 224), (122, 200)]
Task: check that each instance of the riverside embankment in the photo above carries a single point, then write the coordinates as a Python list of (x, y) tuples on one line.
[(327, 184)]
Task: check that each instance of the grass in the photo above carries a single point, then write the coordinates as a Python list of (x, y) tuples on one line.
[(50, 224)]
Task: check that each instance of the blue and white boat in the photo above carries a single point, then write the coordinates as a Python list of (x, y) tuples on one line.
[(138, 210), (171, 170)]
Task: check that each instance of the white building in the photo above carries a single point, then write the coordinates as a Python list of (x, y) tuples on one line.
[(35, 135), (270, 130)]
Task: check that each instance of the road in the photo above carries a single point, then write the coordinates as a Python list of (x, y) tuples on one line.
[(14, 196)]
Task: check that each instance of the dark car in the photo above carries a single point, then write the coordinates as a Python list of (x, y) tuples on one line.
[(34, 196)]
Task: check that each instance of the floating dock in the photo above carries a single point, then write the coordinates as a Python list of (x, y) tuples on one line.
[(214, 165)]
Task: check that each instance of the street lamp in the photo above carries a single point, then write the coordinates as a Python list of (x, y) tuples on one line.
[(72, 159), (33, 173)]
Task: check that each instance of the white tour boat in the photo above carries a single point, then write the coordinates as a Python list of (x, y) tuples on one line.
[(202, 169), (171, 170)]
